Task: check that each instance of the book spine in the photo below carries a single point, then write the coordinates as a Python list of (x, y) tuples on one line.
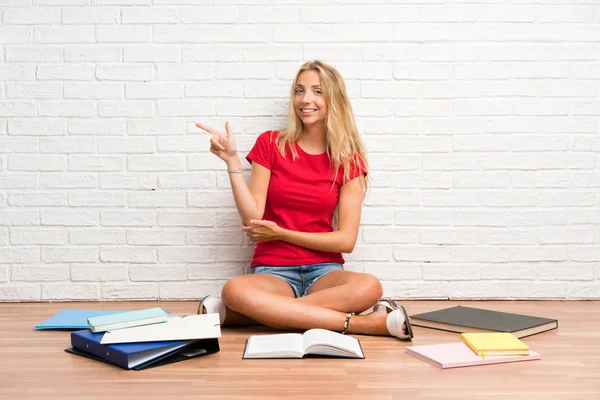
[(100, 350), (478, 352), (127, 324)]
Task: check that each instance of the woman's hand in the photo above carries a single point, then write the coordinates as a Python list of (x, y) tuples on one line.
[(221, 144), (263, 231)]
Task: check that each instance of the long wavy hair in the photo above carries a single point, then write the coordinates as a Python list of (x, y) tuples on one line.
[(344, 146)]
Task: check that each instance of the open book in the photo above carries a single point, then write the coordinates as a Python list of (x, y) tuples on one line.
[(314, 342)]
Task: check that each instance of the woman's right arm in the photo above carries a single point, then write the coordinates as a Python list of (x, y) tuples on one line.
[(249, 201)]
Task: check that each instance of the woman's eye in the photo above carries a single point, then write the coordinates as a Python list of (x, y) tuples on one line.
[(318, 92), (298, 90)]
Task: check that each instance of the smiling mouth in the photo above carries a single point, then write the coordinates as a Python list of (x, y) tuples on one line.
[(307, 111)]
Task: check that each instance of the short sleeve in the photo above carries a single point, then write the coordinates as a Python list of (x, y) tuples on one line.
[(262, 151), (357, 168)]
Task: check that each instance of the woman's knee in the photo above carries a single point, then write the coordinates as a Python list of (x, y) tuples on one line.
[(372, 286), (370, 289), (235, 292)]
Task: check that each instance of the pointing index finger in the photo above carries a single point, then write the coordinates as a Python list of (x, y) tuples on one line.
[(228, 128), (207, 128)]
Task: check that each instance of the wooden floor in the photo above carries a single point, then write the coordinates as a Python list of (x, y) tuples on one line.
[(33, 364)]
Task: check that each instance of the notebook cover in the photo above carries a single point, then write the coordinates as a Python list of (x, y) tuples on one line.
[(72, 319), (127, 316), (493, 341), (481, 319), (189, 327), (453, 355)]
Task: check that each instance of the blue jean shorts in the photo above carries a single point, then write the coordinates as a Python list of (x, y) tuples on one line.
[(300, 277)]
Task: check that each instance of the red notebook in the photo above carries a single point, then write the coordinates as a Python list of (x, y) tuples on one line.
[(452, 355)]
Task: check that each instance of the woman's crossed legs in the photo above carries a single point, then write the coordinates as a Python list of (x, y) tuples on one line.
[(271, 301)]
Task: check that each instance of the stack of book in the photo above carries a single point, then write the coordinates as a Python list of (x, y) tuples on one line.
[(488, 337), (146, 338)]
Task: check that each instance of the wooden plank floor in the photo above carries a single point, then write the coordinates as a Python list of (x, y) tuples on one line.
[(33, 364)]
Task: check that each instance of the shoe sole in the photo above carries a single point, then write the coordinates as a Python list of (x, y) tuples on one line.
[(408, 325)]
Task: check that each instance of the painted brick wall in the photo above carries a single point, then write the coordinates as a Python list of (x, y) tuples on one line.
[(482, 119)]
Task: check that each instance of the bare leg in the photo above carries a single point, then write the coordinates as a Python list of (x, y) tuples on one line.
[(233, 318), (270, 284), (246, 295), (343, 291), (350, 292)]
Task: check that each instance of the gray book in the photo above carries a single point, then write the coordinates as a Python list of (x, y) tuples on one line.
[(468, 319)]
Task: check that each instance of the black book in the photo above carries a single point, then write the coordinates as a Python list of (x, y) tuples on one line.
[(467, 319)]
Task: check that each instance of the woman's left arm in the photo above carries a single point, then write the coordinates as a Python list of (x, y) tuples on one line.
[(342, 240)]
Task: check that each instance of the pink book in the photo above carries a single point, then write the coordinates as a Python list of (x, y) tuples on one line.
[(452, 355)]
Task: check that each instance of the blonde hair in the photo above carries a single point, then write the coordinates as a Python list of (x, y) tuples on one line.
[(344, 146)]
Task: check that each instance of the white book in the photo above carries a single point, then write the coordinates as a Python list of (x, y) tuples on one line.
[(314, 342), (190, 327)]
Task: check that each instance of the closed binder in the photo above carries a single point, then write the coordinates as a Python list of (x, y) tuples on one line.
[(138, 356)]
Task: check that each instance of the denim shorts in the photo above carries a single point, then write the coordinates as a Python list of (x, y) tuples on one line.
[(300, 277)]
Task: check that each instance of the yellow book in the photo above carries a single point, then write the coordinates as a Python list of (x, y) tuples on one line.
[(495, 344)]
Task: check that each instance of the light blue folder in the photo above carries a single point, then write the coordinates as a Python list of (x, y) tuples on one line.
[(73, 319)]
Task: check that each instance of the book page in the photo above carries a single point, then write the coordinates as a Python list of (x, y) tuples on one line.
[(275, 346), (322, 341)]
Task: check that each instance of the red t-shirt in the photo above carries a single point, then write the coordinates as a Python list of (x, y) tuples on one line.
[(300, 197)]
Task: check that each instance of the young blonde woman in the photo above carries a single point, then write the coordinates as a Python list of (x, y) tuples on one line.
[(300, 176)]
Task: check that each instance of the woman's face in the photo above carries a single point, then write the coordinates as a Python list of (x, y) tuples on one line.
[(309, 102)]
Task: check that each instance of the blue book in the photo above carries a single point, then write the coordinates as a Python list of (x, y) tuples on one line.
[(72, 319), (138, 356), (127, 319)]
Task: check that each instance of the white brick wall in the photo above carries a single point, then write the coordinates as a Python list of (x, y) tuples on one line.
[(482, 121)]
